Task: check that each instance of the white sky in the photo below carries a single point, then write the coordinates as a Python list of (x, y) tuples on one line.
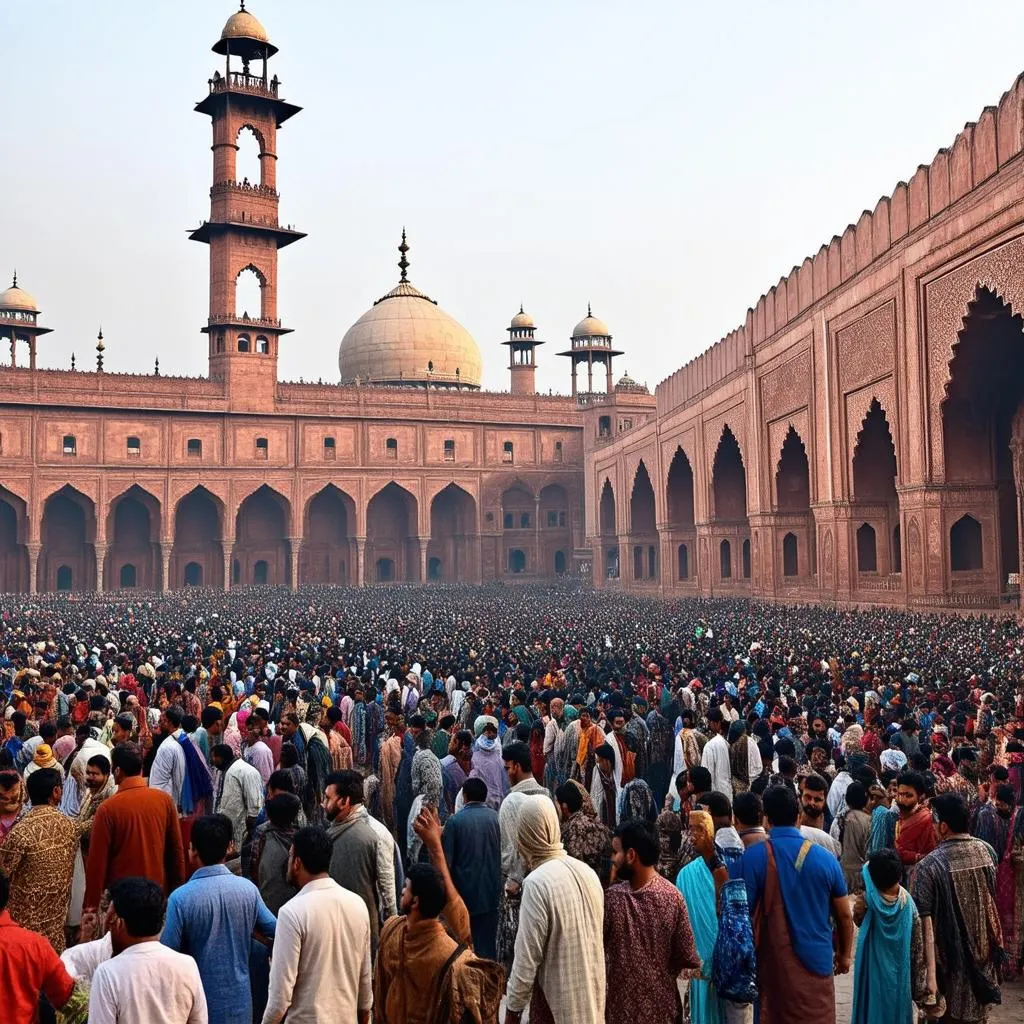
[(664, 159)]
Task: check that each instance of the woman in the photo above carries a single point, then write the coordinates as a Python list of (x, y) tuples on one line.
[(699, 883)]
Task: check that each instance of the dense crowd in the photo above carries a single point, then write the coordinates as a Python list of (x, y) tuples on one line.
[(448, 804)]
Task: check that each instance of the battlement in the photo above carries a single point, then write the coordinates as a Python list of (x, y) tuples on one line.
[(978, 152)]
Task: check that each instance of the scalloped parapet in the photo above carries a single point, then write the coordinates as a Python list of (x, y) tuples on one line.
[(977, 153)]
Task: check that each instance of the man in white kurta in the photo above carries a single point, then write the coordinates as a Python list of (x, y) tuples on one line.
[(716, 756), (241, 791), (560, 943)]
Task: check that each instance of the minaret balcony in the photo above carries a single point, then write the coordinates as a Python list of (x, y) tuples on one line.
[(239, 81), (231, 320), (243, 188)]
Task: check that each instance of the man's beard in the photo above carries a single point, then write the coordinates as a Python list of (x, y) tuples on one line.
[(625, 873), (1005, 815), (812, 812)]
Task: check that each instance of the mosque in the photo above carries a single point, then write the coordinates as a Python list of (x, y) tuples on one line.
[(858, 440)]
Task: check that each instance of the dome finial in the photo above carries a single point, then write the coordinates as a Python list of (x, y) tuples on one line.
[(588, 310), (520, 307), (403, 263), (241, 5), (15, 285)]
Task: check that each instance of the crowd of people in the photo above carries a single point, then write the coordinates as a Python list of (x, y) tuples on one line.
[(433, 805)]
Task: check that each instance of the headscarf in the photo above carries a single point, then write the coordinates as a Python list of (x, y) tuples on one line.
[(739, 755), (588, 809), (482, 722), (44, 757), (539, 836), (893, 760)]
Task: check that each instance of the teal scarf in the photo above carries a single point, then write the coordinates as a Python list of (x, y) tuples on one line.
[(881, 976), (697, 885)]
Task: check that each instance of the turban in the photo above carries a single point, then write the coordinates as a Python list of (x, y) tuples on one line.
[(44, 757), (893, 760), (482, 722)]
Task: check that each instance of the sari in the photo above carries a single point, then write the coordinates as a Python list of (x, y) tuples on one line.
[(697, 885), (1010, 894), (882, 991)]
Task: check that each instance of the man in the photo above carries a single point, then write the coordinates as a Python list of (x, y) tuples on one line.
[(559, 965), (954, 889), (604, 790), (583, 836), (212, 916), (590, 738), (647, 934), (144, 980), (813, 793), (121, 729), (456, 766), (321, 965), (716, 754), (12, 801), (748, 814), (239, 792), (209, 731), (915, 836), (687, 748), (625, 763), (355, 861), (168, 770), (272, 843), (799, 890), (29, 967), (39, 859), (134, 833), (256, 752), (854, 836), (557, 759), (472, 849)]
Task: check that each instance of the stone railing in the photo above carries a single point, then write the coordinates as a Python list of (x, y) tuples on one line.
[(228, 319), (244, 187), (892, 582), (238, 81)]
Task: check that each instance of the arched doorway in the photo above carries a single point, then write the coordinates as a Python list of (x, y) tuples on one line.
[(327, 537), (128, 576), (516, 561), (453, 536), (790, 557), (642, 528), (133, 530), (683, 560), (65, 577), (518, 522), (725, 559), (729, 498), (982, 423), (68, 534), (875, 501), (435, 569), (198, 555), (793, 501), (606, 526), (679, 492), (555, 523), (559, 563), (261, 535), (13, 552), (385, 570), (391, 518)]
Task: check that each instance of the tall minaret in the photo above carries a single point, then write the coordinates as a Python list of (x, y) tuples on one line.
[(522, 354), (243, 231)]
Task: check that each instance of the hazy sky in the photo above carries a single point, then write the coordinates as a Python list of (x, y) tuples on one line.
[(666, 161)]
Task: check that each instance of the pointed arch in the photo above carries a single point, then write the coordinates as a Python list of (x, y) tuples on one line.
[(197, 556), (793, 475), (68, 537), (250, 298), (329, 526), (14, 565), (262, 528), (642, 515), (729, 479), (606, 510), (133, 535), (451, 553), (391, 525), (679, 492)]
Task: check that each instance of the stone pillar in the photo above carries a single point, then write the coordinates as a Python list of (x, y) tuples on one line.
[(423, 541), (227, 544), (478, 552), (33, 565), (101, 553), (539, 567), (166, 547), (360, 561), (294, 548)]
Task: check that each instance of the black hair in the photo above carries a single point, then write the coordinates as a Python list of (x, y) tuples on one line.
[(312, 846), (100, 761), (856, 796), (787, 765), (282, 809), (210, 837), (211, 716), (1005, 794), (637, 834), (427, 886), (700, 779), (915, 780), (48, 731), (518, 754), (281, 780), (348, 783), (224, 752), (174, 715), (815, 783), (748, 809), (781, 806), (126, 757), (41, 784), (885, 868), (951, 810), (474, 790), (139, 902), (718, 804), (289, 755), (417, 722), (569, 795)]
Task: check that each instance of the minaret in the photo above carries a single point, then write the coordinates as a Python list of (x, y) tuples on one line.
[(591, 343), (522, 354), (19, 321), (243, 231)]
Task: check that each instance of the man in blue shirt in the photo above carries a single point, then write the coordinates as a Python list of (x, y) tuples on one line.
[(212, 917), (799, 889)]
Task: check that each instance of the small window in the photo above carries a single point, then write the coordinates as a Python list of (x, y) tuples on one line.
[(391, 448), (69, 445), (220, 342), (262, 345), (604, 426), (194, 448), (552, 518), (627, 424), (558, 451), (507, 452), (561, 519), (449, 451), (524, 520), (330, 448), (134, 447), (262, 447), (243, 343), (508, 521)]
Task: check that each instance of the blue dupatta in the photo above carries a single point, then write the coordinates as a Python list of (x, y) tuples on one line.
[(697, 885)]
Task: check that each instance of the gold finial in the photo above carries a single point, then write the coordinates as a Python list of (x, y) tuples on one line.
[(403, 263)]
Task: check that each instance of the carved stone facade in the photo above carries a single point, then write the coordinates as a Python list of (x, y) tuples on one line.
[(875, 393)]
